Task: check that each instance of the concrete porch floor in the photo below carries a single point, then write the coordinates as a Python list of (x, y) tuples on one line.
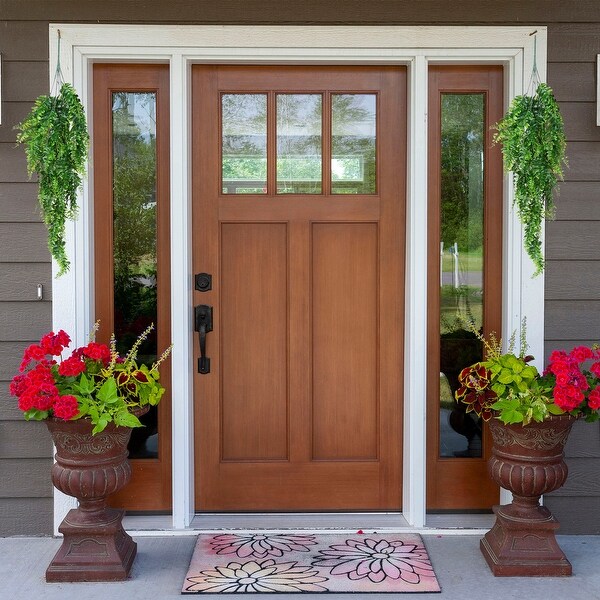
[(162, 562)]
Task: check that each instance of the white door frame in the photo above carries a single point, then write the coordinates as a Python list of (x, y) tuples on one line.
[(180, 46)]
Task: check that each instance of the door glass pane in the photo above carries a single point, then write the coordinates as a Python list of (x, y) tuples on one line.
[(134, 231), (244, 143), (299, 141), (353, 143), (461, 261)]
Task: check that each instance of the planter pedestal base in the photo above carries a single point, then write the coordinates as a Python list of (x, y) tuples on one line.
[(95, 548), (522, 543)]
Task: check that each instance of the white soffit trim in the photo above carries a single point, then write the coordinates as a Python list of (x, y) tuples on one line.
[(181, 45)]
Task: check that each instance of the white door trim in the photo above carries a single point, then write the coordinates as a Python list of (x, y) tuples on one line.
[(416, 47)]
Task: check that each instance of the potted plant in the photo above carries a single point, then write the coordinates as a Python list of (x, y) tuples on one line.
[(90, 399), (530, 416)]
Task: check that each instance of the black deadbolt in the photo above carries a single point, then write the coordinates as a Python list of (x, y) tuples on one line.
[(203, 282)]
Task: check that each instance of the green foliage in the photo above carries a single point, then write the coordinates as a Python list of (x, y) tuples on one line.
[(463, 141), (533, 404), (533, 145), (56, 143)]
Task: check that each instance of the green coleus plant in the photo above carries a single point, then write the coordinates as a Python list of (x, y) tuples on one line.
[(56, 144), (534, 146)]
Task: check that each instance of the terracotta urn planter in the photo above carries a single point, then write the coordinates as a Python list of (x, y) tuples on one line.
[(90, 468), (528, 461)]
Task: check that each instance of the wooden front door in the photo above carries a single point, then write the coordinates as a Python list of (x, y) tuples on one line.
[(298, 217)]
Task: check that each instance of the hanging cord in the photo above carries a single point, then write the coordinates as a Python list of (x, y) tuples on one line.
[(58, 76), (535, 79)]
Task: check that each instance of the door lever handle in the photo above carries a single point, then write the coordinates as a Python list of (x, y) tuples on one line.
[(203, 324)]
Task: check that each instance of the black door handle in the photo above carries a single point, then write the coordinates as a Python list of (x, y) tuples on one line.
[(204, 324)]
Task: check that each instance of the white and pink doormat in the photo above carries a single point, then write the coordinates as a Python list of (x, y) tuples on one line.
[(294, 563)]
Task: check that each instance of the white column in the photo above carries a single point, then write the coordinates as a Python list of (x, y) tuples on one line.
[(181, 296), (415, 345)]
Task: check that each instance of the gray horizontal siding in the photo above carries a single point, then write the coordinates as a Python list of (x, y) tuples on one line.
[(584, 440), (24, 320), (572, 240), (23, 41), (24, 81), (24, 439), (11, 354), (13, 163), (18, 203), (25, 477), (9, 411), (573, 319), (18, 282), (580, 122), (577, 201), (583, 478), (571, 280), (566, 345), (26, 516), (584, 161), (25, 243), (13, 113), (575, 515), (573, 43), (573, 82)]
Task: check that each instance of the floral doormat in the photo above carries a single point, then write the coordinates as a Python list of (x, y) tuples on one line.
[(265, 563)]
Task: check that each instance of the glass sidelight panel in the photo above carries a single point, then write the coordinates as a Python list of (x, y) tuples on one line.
[(299, 143), (461, 263), (353, 143), (244, 143), (134, 232)]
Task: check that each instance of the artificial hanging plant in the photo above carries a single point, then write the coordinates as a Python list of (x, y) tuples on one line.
[(56, 143), (533, 144)]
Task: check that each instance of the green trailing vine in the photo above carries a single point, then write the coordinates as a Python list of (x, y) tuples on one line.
[(56, 143), (533, 145)]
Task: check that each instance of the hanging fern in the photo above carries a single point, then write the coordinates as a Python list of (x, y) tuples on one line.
[(56, 143), (533, 145)]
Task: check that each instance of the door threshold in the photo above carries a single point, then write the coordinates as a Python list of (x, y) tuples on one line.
[(447, 524)]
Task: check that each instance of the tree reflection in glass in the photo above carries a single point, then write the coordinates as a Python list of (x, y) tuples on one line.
[(134, 238), (299, 134), (353, 143), (244, 143), (461, 263)]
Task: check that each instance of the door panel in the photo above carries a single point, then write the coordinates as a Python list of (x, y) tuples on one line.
[(254, 341), (464, 274), (131, 249), (302, 407), (345, 340)]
